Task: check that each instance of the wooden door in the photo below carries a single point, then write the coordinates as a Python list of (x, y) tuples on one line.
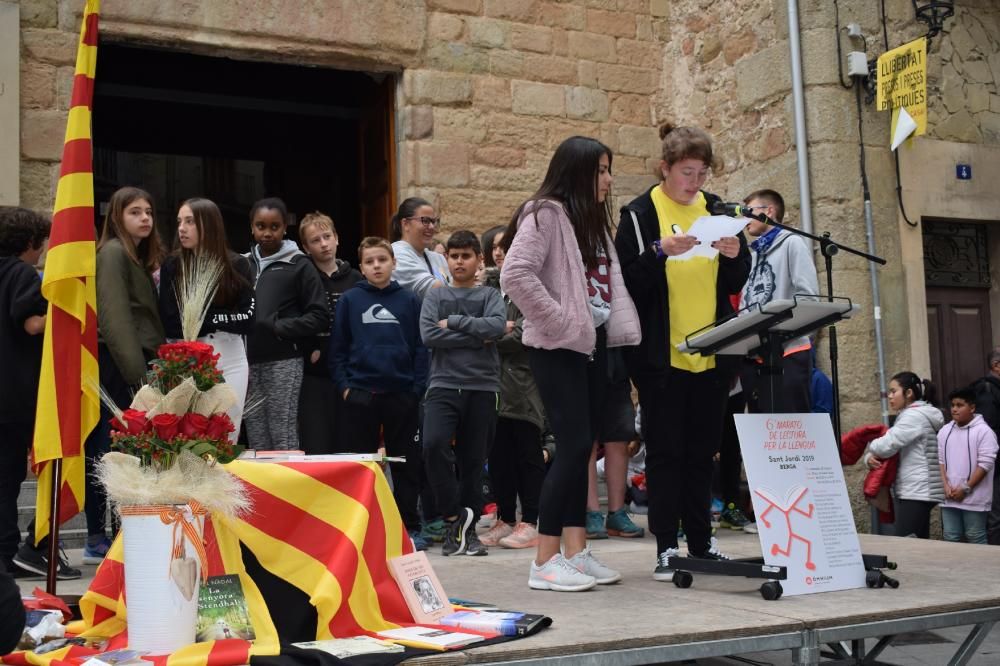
[(377, 160), (959, 334)]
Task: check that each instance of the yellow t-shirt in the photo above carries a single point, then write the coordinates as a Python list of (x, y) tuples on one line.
[(691, 283)]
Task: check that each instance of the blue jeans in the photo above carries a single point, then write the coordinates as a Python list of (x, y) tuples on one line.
[(957, 523)]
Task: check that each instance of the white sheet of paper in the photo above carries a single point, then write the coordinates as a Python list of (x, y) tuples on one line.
[(709, 229)]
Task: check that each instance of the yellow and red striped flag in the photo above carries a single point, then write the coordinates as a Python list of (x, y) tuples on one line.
[(326, 529), (68, 402)]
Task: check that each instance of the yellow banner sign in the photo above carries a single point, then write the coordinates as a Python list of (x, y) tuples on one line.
[(902, 82)]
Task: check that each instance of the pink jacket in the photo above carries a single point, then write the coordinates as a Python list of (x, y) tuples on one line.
[(543, 274)]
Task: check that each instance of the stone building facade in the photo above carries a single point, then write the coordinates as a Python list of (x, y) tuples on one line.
[(485, 89)]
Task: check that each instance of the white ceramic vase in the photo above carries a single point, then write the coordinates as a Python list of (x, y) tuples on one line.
[(161, 588)]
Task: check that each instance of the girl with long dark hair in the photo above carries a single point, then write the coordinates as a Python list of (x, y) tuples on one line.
[(201, 231), (562, 271)]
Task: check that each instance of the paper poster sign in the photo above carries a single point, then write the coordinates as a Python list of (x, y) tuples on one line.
[(902, 84), (800, 499)]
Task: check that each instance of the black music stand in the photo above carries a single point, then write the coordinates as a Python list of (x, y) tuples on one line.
[(764, 330)]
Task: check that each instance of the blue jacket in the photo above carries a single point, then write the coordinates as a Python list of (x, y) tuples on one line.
[(376, 343)]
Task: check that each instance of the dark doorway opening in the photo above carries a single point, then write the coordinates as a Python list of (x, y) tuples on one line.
[(182, 125)]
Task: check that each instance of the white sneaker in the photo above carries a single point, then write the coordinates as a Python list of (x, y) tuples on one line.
[(713, 552), (662, 572), (559, 575), (750, 528), (588, 564)]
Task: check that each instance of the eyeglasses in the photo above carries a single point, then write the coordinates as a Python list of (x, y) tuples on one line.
[(427, 221)]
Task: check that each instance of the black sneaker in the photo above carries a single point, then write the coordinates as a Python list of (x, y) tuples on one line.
[(713, 552), (36, 561), (14, 570), (455, 536), (662, 572), (473, 546)]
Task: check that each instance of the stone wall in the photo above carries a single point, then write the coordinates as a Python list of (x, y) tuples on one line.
[(488, 87)]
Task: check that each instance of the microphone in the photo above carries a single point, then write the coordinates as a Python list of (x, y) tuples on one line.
[(731, 209)]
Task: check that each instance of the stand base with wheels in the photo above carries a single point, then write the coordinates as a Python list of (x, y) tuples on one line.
[(754, 567), (750, 567)]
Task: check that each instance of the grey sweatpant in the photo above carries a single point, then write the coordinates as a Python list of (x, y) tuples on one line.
[(273, 423)]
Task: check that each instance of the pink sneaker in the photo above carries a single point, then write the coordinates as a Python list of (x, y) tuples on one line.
[(524, 536), (492, 536)]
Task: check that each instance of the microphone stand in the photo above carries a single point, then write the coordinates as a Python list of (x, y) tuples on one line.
[(829, 248)]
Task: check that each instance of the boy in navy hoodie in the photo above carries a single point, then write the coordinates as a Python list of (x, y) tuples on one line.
[(460, 323), (379, 366)]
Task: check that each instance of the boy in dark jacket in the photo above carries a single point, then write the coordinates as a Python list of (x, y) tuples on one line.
[(22, 325), (320, 406), (460, 324), (379, 366)]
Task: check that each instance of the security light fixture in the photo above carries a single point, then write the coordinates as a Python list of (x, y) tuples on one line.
[(933, 13)]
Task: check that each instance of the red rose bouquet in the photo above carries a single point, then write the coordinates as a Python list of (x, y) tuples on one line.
[(166, 448), (179, 410)]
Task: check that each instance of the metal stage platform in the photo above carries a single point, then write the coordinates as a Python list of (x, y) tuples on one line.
[(640, 621)]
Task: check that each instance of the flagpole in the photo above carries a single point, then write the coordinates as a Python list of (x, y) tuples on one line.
[(50, 580)]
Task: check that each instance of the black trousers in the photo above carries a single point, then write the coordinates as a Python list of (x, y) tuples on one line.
[(913, 518), (13, 470), (993, 519), (98, 442), (792, 386), (319, 415), (730, 458), (682, 418), (455, 473), (396, 415), (517, 469)]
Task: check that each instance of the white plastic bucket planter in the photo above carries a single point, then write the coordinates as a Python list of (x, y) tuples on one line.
[(162, 576)]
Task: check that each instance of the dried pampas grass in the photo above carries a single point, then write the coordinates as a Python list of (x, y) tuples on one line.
[(191, 478), (200, 274)]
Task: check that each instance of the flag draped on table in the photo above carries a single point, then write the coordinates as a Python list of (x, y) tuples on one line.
[(328, 529), (68, 402)]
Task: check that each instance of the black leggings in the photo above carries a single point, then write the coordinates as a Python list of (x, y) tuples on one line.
[(913, 518), (567, 383)]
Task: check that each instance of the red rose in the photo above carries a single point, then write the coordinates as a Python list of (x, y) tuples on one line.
[(193, 425), (166, 425), (135, 422), (219, 426)]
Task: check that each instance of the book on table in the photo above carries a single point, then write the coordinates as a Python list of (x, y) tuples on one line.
[(421, 588), (505, 623), (118, 658), (350, 647), (430, 638), (222, 610)]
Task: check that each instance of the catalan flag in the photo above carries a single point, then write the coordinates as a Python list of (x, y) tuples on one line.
[(316, 542), (68, 403)]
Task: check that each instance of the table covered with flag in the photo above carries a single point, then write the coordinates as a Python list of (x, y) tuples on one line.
[(311, 556)]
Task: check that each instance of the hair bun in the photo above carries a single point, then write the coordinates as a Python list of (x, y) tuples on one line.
[(665, 129)]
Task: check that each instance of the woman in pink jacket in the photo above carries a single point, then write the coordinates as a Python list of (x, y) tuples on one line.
[(562, 272)]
